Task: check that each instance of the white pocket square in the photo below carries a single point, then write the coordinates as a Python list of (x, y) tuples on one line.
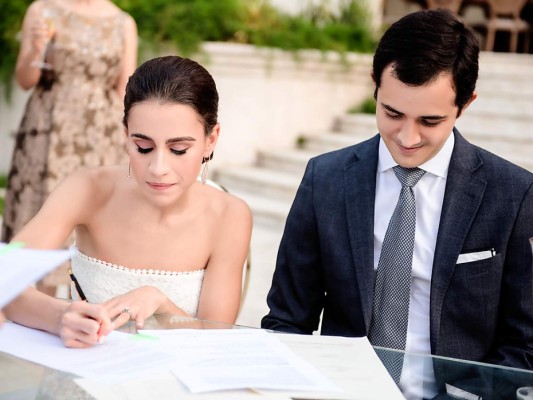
[(476, 256)]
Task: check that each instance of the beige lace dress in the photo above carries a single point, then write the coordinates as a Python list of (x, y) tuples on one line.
[(73, 117)]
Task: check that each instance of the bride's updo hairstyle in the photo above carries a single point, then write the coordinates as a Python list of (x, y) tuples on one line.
[(174, 79)]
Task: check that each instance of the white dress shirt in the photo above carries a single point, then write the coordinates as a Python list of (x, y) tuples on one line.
[(429, 194)]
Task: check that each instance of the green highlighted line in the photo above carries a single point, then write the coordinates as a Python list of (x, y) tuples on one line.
[(11, 246), (144, 336)]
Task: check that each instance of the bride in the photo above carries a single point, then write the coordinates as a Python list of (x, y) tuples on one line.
[(150, 237)]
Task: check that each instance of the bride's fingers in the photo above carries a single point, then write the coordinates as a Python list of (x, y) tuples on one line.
[(141, 318), (122, 318)]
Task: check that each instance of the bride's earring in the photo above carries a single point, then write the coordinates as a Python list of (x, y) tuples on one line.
[(205, 169), (129, 171)]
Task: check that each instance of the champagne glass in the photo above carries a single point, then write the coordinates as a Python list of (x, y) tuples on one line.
[(48, 16)]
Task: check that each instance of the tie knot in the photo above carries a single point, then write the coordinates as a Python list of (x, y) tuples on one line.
[(408, 176)]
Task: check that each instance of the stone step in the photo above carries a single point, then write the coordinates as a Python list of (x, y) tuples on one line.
[(259, 181), (268, 193), (267, 211), (292, 161), (503, 89), (491, 127), (506, 63), (495, 107), (505, 76)]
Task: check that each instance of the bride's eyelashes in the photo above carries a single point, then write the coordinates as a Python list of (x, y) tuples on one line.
[(146, 150)]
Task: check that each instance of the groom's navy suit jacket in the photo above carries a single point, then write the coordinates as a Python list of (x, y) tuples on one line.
[(480, 310)]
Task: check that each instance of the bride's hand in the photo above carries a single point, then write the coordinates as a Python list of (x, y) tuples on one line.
[(137, 305), (83, 325)]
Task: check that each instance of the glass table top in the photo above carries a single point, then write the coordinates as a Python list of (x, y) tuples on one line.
[(21, 379)]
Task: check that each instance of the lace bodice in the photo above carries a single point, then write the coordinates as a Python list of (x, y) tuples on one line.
[(101, 281)]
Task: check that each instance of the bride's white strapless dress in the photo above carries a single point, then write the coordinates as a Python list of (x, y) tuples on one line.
[(101, 281)]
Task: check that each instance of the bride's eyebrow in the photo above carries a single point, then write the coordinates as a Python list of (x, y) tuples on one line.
[(180, 139), (169, 141), (141, 136)]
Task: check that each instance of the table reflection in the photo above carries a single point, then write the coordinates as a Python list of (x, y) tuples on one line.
[(436, 374)]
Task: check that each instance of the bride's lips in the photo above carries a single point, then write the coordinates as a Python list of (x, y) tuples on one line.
[(160, 186)]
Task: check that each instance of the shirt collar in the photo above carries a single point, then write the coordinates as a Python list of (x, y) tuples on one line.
[(438, 165)]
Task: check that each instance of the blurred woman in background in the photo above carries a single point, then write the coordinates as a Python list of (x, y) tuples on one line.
[(77, 56)]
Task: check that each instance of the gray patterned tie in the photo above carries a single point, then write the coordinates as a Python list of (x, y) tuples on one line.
[(390, 309)]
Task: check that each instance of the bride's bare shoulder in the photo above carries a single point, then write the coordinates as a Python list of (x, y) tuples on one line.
[(99, 183), (230, 206)]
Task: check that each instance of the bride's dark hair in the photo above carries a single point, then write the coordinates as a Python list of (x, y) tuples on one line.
[(174, 79)]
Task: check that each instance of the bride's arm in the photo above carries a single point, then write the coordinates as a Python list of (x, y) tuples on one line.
[(79, 325), (222, 285)]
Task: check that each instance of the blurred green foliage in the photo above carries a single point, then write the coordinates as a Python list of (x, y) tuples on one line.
[(185, 24), (12, 14), (368, 106), (318, 27)]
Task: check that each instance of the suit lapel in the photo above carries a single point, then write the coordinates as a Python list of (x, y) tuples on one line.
[(462, 197), (360, 189)]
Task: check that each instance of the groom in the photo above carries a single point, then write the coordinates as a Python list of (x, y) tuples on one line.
[(415, 238)]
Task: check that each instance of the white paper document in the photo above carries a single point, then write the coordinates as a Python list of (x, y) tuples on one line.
[(203, 360), (351, 363), (222, 359), (118, 358), (20, 267)]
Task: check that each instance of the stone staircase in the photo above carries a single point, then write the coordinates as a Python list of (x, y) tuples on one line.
[(500, 120)]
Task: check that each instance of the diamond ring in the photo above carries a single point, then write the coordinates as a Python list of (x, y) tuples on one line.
[(127, 310)]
